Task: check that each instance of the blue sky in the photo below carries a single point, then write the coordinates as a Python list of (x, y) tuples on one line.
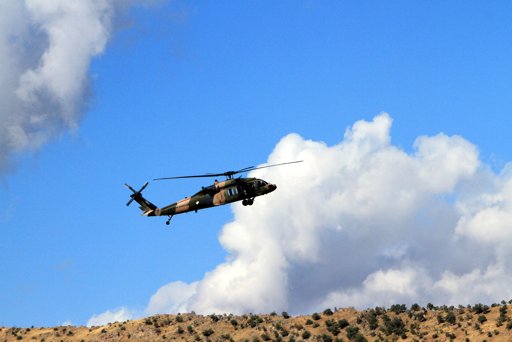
[(186, 87)]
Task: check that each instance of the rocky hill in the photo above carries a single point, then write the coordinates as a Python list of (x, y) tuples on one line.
[(472, 323)]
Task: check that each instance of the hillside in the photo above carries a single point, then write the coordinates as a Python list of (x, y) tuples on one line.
[(472, 323)]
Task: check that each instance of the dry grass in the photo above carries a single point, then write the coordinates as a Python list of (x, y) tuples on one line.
[(398, 323)]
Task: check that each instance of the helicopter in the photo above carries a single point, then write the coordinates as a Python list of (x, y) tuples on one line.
[(219, 193)]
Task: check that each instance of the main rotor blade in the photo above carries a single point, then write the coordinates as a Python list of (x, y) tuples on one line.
[(247, 169), (228, 173), (194, 176)]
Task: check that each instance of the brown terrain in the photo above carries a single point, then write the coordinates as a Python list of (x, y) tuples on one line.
[(471, 323)]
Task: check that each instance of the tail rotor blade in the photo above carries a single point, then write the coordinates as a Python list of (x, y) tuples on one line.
[(135, 193), (129, 187), (143, 187)]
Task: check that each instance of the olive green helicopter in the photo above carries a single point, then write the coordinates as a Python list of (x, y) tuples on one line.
[(219, 193)]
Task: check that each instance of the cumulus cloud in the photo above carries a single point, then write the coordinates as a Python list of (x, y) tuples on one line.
[(46, 48), (119, 315), (170, 297), (362, 223)]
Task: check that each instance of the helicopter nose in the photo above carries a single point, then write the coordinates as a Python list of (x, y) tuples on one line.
[(272, 187)]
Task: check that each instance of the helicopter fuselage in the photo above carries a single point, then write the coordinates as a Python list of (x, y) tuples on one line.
[(220, 193)]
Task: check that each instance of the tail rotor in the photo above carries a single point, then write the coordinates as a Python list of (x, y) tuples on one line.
[(135, 193)]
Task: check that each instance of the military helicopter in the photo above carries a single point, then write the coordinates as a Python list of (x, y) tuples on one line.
[(220, 193)]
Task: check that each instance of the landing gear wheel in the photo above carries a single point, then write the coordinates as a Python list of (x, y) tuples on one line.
[(168, 220), (250, 201), (244, 202)]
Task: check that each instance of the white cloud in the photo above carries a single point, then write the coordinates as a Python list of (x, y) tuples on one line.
[(171, 298), (362, 223), (45, 51), (391, 286), (490, 220), (119, 315)]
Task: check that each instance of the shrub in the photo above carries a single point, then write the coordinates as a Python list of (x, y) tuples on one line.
[(420, 317), (480, 309), (379, 311), (373, 322), (208, 332), (285, 315), (450, 317), (254, 320), (332, 327), (503, 310), (316, 316), (398, 308), (351, 332), (328, 312), (482, 319), (306, 334), (415, 307), (343, 323), (394, 326), (360, 338), (326, 338), (451, 336)]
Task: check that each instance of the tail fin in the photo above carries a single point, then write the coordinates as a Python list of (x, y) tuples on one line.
[(148, 208)]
